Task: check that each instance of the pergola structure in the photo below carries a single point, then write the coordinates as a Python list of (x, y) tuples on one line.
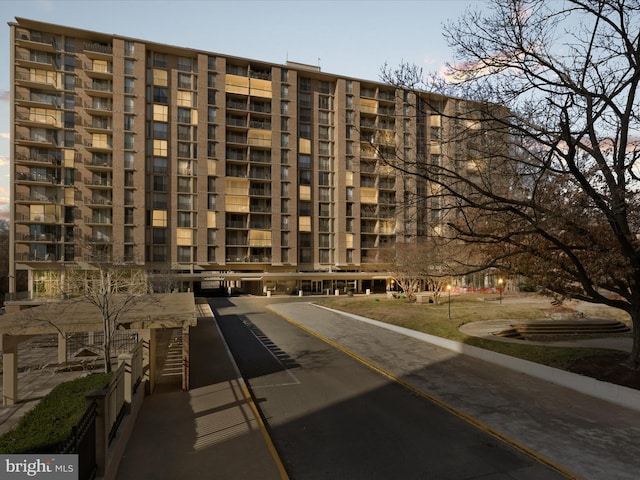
[(147, 314)]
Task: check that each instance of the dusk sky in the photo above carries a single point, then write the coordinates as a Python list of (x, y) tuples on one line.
[(351, 38)]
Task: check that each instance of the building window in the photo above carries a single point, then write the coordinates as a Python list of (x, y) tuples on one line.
[(160, 130), (184, 219), (324, 256), (211, 114), (129, 49), (304, 84), (184, 115), (128, 85), (185, 64), (160, 95), (306, 255), (304, 100), (159, 236), (159, 60), (129, 66), (160, 183), (129, 104), (159, 253), (129, 158), (305, 130), (129, 122), (161, 113), (160, 148)]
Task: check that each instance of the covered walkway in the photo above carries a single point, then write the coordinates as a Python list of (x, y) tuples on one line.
[(147, 314)]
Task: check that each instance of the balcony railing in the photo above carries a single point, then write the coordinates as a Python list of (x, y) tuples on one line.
[(98, 48)]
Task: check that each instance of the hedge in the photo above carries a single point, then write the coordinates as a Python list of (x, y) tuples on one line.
[(45, 426)]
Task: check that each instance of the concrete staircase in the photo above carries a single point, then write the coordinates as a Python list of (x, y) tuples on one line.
[(583, 326)]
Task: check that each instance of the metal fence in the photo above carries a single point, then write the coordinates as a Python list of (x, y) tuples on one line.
[(82, 442), (104, 415)]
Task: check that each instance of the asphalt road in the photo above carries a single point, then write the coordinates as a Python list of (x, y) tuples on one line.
[(330, 416)]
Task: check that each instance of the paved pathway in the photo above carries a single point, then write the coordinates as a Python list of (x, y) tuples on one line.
[(37, 376), (594, 438)]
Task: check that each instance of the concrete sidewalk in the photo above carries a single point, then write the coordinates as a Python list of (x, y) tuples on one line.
[(211, 431), (38, 375), (591, 437)]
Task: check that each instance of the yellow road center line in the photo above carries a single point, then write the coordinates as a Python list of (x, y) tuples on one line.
[(458, 413)]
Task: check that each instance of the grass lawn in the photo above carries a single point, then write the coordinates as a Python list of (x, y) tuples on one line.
[(434, 319)]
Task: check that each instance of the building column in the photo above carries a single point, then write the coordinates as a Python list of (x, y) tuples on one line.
[(185, 357), (149, 362), (10, 345), (62, 348)]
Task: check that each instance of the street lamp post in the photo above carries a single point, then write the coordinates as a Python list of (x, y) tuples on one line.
[(500, 289), (449, 289)]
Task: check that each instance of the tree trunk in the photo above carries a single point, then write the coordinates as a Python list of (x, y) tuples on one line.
[(634, 358)]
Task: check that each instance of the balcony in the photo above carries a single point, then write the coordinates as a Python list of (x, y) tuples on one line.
[(97, 201), (98, 239), (40, 100), (258, 208), (236, 105), (260, 174), (102, 70), (260, 107), (99, 87), (41, 237), (98, 48), (262, 125), (98, 106), (33, 177), (48, 218), (50, 141), (37, 80), (260, 192), (235, 138), (38, 40), (40, 60), (98, 164), (97, 220), (37, 257), (249, 259), (98, 182), (236, 122), (98, 145), (39, 121)]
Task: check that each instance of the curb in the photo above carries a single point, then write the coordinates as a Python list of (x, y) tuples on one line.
[(616, 394), (249, 399)]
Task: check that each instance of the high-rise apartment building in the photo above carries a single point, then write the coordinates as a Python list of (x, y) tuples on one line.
[(212, 167)]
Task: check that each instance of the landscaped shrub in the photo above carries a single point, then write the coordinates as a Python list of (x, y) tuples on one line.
[(50, 422)]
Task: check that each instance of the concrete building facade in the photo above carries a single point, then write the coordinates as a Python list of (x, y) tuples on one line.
[(219, 170)]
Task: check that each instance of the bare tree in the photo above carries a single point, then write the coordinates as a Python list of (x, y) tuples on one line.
[(407, 266), (113, 289), (548, 186), (425, 261)]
